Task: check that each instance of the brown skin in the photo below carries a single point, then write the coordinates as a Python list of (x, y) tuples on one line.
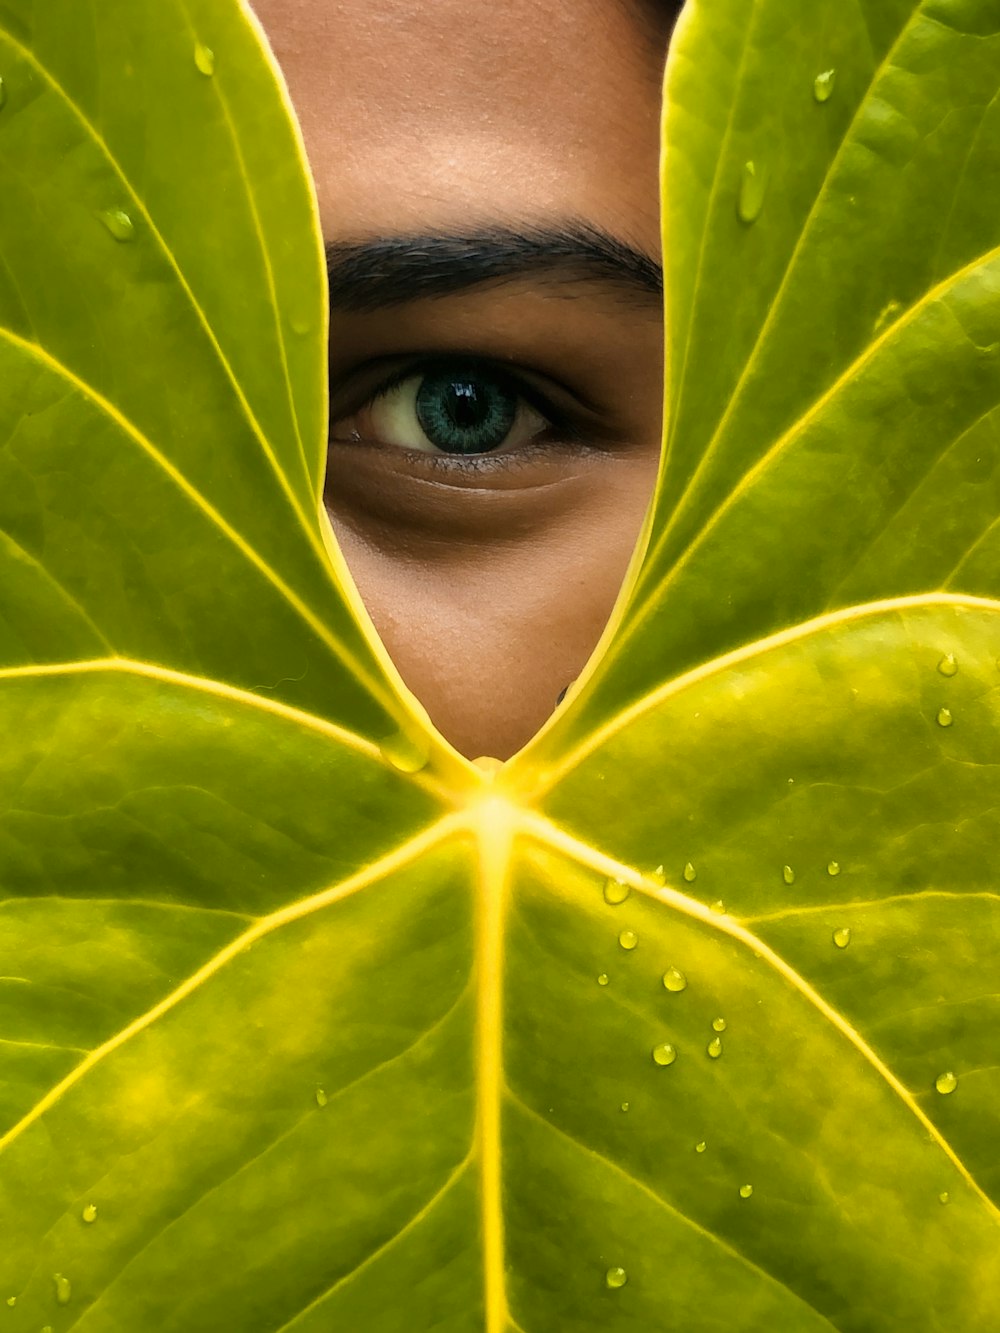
[(491, 577)]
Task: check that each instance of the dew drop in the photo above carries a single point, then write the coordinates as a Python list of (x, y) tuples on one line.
[(888, 315), (700, 1147), (719, 907), (714, 1048), (833, 868), (404, 754), (628, 939), (603, 979), (823, 85), (842, 937), (948, 666), (664, 1054), (625, 1106), (788, 874), (658, 876), (746, 1191), (12, 1301), (615, 1278), (89, 1213), (204, 59), (675, 980), (719, 1024), (321, 1097), (118, 223), (946, 1083), (690, 874), (944, 718), (47, 1328), (64, 1289), (753, 187), (615, 891), (944, 1197)]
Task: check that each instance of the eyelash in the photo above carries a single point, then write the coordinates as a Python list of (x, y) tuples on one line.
[(561, 430)]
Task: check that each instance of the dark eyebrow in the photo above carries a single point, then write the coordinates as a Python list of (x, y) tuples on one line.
[(392, 270)]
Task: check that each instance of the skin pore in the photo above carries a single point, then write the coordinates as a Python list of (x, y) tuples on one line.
[(487, 181)]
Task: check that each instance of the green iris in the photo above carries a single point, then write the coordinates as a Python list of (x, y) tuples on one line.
[(468, 412)]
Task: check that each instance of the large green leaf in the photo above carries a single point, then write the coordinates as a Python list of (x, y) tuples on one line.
[(685, 1018)]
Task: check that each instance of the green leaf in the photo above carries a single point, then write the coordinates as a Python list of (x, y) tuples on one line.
[(685, 1018)]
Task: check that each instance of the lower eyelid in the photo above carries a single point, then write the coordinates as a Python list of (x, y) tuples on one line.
[(423, 466)]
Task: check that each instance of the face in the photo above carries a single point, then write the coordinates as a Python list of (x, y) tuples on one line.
[(487, 180)]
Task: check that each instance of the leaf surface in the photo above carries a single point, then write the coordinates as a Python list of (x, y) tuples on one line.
[(686, 1016)]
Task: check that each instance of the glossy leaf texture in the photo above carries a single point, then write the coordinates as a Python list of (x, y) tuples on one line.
[(685, 1018)]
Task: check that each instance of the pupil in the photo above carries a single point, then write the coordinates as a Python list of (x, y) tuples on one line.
[(465, 413), (466, 406)]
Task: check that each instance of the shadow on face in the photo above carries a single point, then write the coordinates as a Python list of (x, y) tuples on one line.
[(487, 179)]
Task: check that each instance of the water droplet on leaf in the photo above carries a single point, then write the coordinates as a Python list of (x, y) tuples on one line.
[(12, 1301), (833, 868), (948, 666), (788, 874), (602, 980), (823, 85), (700, 1147), (945, 718), (628, 939), (658, 876), (719, 1024), (615, 1278), (204, 59), (625, 1106), (714, 1048), (746, 1191), (753, 187), (889, 314), (404, 754), (946, 1083), (944, 1196), (321, 1097), (719, 907), (664, 1054), (690, 874), (64, 1289), (674, 979), (615, 892), (842, 937), (118, 223), (89, 1213)]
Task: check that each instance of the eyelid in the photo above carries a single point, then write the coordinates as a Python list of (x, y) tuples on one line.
[(574, 424)]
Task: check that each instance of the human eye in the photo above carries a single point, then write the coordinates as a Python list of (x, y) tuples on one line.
[(456, 409)]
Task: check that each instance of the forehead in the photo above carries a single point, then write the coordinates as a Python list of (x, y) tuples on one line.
[(422, 113)]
